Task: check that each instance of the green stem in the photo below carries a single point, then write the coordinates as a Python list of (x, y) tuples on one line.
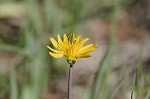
[(70, 82)]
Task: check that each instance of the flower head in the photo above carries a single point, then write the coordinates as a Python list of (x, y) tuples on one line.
[(71, 47)]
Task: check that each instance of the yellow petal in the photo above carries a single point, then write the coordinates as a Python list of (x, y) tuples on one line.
[(68, 51), (87, 49), (56, 51), (65, 38), (65, 41), (59, 39), (56, 55), (72, 58), (73, 38), (55, 44), (84, 41), (78, 39), (84, 56), (61, 47), (67, 45)]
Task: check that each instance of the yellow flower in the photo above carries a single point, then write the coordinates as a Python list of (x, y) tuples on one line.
[(71, 47)]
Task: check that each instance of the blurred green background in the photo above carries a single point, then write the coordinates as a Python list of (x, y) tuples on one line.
[(119, 66)]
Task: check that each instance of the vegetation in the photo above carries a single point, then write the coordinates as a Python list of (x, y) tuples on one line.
[(25, 29)]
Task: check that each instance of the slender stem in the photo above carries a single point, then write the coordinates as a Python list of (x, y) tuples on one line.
[(131, 94), (70, 82)]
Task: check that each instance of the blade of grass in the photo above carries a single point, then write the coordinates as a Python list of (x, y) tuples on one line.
[(53, 16), (34, 16), (13, 83), (147, 95), (121, 83), (106, 59), (10, 48), (138, 76)]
